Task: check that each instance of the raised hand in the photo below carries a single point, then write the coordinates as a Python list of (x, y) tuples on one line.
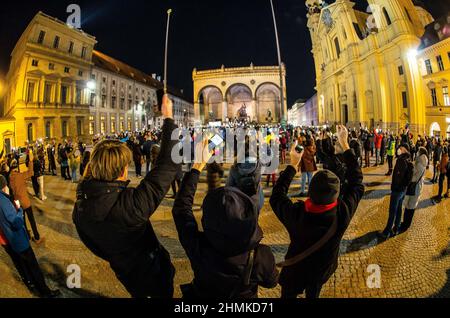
[(167, 107), (295, 156)]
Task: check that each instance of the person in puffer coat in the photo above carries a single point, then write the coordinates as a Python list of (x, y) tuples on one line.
[(227, 258), (309, 221)]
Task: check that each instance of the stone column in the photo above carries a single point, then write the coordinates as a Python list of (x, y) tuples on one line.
[(58, 92), (73, 92), (224, 111), (41, 90), (197, 119)]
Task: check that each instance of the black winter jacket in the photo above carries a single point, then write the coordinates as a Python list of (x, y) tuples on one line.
[(112, 220), (399, 182), (216, 275), (306, 228)]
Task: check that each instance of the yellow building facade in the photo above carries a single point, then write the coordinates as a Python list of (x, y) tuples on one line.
[(220, 94), (366, 63), (433, 58), (47, 91)]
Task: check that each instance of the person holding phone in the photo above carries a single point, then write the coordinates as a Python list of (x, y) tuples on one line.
[(112, 219), (316, 226)]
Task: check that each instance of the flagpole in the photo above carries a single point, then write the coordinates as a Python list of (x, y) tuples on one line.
[(279, 62), (166, 50)]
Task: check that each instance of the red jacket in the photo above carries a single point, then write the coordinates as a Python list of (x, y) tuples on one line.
[(378, 139)]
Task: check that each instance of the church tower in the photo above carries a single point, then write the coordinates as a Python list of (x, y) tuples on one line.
[(403, 14), (314, 9)]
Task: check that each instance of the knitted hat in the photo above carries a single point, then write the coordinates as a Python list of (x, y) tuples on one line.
[(324, 188)]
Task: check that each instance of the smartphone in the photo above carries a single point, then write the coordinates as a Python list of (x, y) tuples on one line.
[(299, 149), (215, 141)]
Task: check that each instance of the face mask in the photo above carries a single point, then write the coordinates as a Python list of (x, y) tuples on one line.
[(399, 152)]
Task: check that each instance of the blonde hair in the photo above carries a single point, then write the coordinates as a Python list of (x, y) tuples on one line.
[(108, 160)]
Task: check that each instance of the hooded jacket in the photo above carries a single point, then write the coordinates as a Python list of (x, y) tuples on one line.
[(241, 170), (12, 225), (112, 220), (219, 254), (307, 223)]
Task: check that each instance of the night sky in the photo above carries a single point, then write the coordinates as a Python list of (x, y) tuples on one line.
[(204, 34)]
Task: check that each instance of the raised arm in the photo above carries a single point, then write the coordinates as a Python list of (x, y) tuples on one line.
[(284, 208), (183, 216), (151, 191), (354, 189)]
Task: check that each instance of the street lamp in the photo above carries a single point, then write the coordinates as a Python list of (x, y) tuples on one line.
[(279, 61), (91, 85)]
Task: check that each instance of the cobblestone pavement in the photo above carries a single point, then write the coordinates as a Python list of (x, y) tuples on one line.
[(413, 264)]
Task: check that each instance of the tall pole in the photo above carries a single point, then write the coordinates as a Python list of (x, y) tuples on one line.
[(167, 45), (283, 115)]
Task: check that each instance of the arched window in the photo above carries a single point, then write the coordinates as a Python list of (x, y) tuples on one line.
[(30, 132), (387, 17)]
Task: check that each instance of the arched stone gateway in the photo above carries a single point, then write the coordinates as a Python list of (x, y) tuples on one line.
[(435, 130), (228, 93)]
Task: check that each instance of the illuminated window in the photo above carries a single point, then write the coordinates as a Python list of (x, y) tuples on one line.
[(56, 42), (121, 124), (113, 124), (103, 101), (48, 130), (30, 92), (79, 127), (102, 124), (78, 96), (92, 99), (429, 67), (41, 37), (440, 62), (129, 125), (47, 93), (91, 125), (64, 128), (64, 90), (405, 99), (30, 132), (433, 97), (338, 48), (446, 97), (387, 17)]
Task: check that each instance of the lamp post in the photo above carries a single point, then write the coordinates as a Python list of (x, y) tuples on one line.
[(169, 12), (283, 115)]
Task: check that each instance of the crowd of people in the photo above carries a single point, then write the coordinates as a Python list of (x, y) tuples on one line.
[(227, 257)]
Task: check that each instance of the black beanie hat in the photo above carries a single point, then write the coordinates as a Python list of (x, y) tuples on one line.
[(324, 188)]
